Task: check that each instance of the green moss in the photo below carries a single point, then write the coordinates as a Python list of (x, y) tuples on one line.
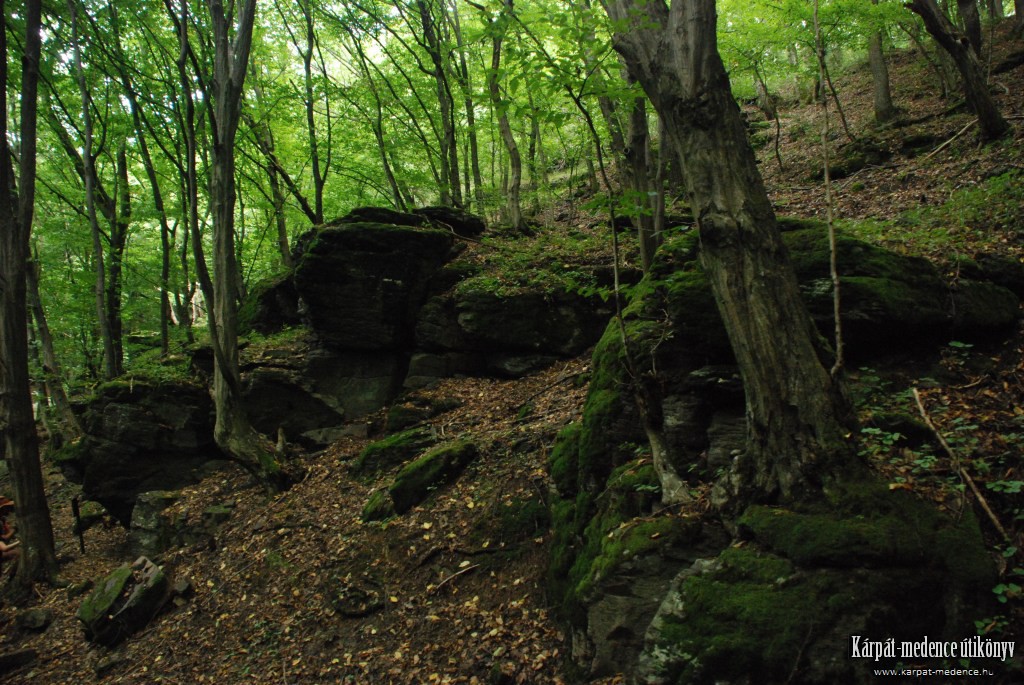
[(379, 507), (629, 541), (102, 599), (438, 467), (740, 619), (866, 525), (391, 451), (563, 463)]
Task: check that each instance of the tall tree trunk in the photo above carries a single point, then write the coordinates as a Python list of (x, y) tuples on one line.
[(515, 168), (17, 198), (450, 189), (232, 430), (118, 239), (467, 94), (995, 9), (884, 109), (972, 76), (314, 152), (972, 22), (798, 419), (638, 154), (110, 365)]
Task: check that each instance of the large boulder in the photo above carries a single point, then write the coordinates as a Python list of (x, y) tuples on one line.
[(140, 435), (362, 283)]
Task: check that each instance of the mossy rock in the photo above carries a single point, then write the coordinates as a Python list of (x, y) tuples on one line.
[(781, 606), (124, 602), (270, 305), (563, 463), (869, 526), (438, 467), (392, 451), (379, 507)]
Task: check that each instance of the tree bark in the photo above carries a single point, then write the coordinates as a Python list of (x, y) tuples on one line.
[(991, 123), (232, 429), (972, 22), (53, 376), (513, 204), (884, 109), (89, 178), (798, 417), (17, 198)]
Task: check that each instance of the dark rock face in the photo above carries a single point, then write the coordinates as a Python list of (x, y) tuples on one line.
[(139, 436), (362, 283), (461, 222)]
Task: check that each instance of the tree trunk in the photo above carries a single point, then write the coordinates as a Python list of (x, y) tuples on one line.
[(450, 190), (52, 373), (467, 93), (110, 365), (884, 109), (637, 154), (17, 197), (995, 9), (972, 22), (314, 152), (798, 418), (513, 205), (990, 121), (232, 430)]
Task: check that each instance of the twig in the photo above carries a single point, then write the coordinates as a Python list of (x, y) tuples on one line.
[(454, 576), (942, 147), (961, 471)]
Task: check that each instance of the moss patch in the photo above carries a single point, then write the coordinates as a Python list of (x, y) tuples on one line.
[(436, 468), (391, 451)]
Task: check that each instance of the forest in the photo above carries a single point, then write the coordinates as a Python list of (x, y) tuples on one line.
[(491, 342)]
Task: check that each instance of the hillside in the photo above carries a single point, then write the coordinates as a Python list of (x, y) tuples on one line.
[(297, 589)]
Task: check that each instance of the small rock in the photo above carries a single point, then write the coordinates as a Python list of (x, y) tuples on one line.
[(35, 620)]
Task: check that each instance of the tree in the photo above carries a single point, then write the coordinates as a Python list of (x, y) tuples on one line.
[(232, 431), (21, 446), (972, 76), (884, 109), (798, 417), (972, 22)]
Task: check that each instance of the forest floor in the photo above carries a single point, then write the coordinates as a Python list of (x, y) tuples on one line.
[(454, 590)]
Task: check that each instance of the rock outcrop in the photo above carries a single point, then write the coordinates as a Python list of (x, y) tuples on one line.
[(140, 435), (802, 578)]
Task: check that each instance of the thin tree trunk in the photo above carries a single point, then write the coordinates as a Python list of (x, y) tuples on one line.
[(972, 76), (513, 205), (314, 152), (637, 155), (53, 375), (884, 109), (38, 561), (798, 418), (89, 178), (467, 93), (232, 430)]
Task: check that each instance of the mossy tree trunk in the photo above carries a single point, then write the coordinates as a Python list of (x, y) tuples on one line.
[(17, 424), (798, 418)]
